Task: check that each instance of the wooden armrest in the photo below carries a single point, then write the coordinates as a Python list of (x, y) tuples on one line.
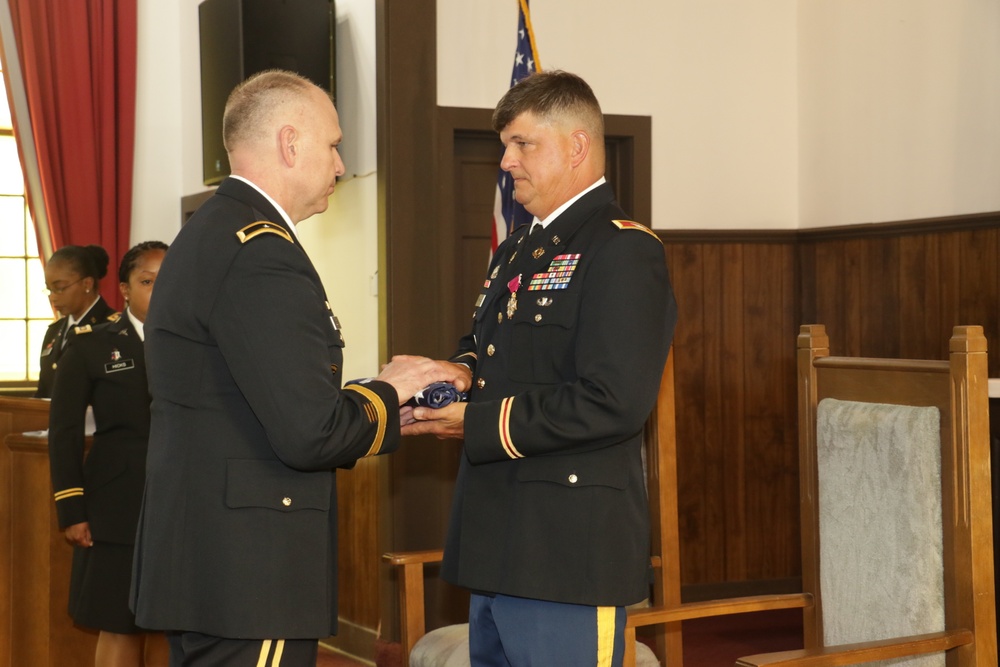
[(411, 591), (411, 557), (853, 654), (689, 610)]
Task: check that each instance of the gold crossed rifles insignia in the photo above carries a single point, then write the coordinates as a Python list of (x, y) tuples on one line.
[(255, 229)]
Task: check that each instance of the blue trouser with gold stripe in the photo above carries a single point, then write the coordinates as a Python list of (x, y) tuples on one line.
[(507, 631)]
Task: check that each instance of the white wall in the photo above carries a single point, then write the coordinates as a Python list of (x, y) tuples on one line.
[(900, 109), (341, 242), (766, 115), (779, 114), (718, 77)]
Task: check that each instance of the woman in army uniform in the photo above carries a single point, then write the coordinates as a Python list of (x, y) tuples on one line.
[(98, 497), (71, 281)]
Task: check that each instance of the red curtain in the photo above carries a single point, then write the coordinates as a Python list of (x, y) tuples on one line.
[(78, 60)]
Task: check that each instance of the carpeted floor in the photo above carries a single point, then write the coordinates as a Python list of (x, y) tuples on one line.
[(708, 642)]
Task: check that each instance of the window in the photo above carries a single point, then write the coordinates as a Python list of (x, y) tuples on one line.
[(24, 309)]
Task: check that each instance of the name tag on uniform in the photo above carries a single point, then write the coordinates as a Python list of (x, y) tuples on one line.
[(121, 365)]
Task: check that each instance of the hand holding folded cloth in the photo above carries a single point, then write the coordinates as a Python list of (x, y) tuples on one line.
[(435, 395)]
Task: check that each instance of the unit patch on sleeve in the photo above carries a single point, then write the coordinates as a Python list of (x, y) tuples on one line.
[(558, 274)]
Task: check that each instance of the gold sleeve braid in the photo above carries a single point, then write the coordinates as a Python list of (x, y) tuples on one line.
[(68, 493), (376, 412)]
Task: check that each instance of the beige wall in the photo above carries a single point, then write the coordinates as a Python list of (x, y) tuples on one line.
[(899, 109), (718, 78), (766, 115), (342, 242), (779, 114)]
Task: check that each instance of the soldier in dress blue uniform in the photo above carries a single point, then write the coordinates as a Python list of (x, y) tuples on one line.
[(97, 498), (549, 526), (236, 551), (72, 275)]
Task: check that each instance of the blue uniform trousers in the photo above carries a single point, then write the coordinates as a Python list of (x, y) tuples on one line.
[(506, 631)]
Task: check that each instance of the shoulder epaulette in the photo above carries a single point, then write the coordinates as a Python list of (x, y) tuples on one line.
[(255, 229), (114, 317), (84, 329), (628, 224)]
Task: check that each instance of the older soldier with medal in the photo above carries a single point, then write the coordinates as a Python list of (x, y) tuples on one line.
[(549, 526)]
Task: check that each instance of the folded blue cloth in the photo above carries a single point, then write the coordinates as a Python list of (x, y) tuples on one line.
[(435, 395)]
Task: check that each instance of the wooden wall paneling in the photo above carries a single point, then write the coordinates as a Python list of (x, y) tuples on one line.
[(731, 413), (951, 289), (898, 289), (717, 321), (771, 440), (805, 273), (979, 264), (851, 283), (920, 295), (817, 262), (687, 272), (357, 578), (408, 174), (878, 296), (838, 291)]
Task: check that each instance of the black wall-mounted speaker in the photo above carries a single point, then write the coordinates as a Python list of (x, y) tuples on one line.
[(242, 37)]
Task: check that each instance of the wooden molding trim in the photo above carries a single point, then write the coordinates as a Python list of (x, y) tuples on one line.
[(951, 223)]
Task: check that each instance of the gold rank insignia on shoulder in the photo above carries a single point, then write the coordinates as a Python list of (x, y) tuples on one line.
[(114, 317), (255, 229), (85, 329), (628, 224)]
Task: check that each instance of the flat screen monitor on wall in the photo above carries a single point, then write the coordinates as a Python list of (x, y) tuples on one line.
[(242, 37)]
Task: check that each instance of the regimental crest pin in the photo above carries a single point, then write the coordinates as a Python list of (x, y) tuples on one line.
[(115, 354)]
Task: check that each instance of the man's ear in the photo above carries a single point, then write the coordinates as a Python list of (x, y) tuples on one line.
[(287, 137), (579, 147)]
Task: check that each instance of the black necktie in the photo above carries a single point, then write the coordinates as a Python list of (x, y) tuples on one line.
[(534, 233)]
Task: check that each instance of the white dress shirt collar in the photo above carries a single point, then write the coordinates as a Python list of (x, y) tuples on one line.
[(284, 216), (136, 324), (555, 213)]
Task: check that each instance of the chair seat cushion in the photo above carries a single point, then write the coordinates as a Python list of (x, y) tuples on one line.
[(449, 647), (444, 647)]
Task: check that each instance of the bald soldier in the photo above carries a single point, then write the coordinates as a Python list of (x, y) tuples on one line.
[(236, 551)]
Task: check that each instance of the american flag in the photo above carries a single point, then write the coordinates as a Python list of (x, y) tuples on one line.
[(508, 215)]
